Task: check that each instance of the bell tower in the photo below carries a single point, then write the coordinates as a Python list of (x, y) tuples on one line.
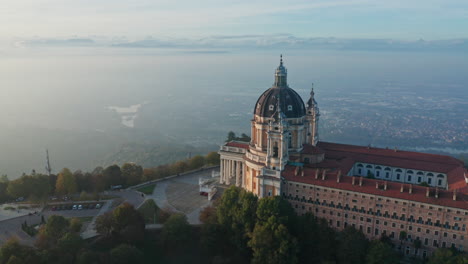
[(312, 116)]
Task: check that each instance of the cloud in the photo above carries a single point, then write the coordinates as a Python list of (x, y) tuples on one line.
[(70, 42), (287, 41)]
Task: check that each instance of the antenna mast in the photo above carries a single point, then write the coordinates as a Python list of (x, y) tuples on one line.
[(48, 168)]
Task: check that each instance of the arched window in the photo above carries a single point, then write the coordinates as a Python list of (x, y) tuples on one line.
[(420, 173), (275, 150), (360, 165), (387, 172), (430, 174), (440, 176), (289, 107), (271, 107), (369, 166), (377, 171), (409, 172), (398, 173)]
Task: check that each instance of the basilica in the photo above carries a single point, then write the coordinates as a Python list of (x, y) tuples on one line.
[(380, 191)]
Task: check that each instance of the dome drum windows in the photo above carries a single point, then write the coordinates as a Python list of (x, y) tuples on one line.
[(290, 108)]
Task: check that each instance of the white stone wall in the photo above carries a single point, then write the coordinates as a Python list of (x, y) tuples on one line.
[(399, 174)]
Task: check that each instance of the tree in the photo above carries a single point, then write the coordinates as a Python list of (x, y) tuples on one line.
[(231, 136), (352, 246), (66, 183), (35, 187), (271, 242), (3, 189), (417, 245), (113, 175), (237, 213), (83, 181), (448, 256), (13, 252), (75, 225), (131, 174), (124, 254), (104, 224), (124, 221), (316, 239), (208, 215), (176, 230), (126, 215), (402, 236), (67, 246), (381, 253), (55, 228), (196, 162), (88, 257), (212, 158)]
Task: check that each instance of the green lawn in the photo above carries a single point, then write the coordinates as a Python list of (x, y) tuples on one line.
[(150, 211), (148, 189)]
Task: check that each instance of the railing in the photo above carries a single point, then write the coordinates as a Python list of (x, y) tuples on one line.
[(255, 158), (268, 172), (232, 149)]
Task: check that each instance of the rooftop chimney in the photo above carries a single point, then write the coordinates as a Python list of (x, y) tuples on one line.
[(437, 193), (410, 189), (376, 185), (455, 195), (302, 173), (360, 181), (338, 177), (324, 175), (353, 181), (402, 188), (385, 185), (317, 171), (395, 149), (428, 193)]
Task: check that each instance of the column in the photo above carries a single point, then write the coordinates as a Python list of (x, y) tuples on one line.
[(229, 170), (237, 173), (243, 176), (221, 167)]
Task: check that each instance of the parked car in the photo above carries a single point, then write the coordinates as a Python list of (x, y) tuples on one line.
[(75, 207), (80, 207), (98, 206)]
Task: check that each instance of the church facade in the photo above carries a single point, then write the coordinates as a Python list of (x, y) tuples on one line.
[(379, 191)]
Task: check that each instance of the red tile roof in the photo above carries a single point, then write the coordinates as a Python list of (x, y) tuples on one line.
[(310, 149), (403, 159), (238, 144), (418, 194)]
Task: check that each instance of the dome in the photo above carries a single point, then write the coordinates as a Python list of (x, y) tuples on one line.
[(291, 103)]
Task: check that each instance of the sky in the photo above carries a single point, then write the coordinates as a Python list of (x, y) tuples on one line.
[(136, 19)]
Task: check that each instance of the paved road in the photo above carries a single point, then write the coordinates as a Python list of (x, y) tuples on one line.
[(181, 194), (129, 196), (12, 227)]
